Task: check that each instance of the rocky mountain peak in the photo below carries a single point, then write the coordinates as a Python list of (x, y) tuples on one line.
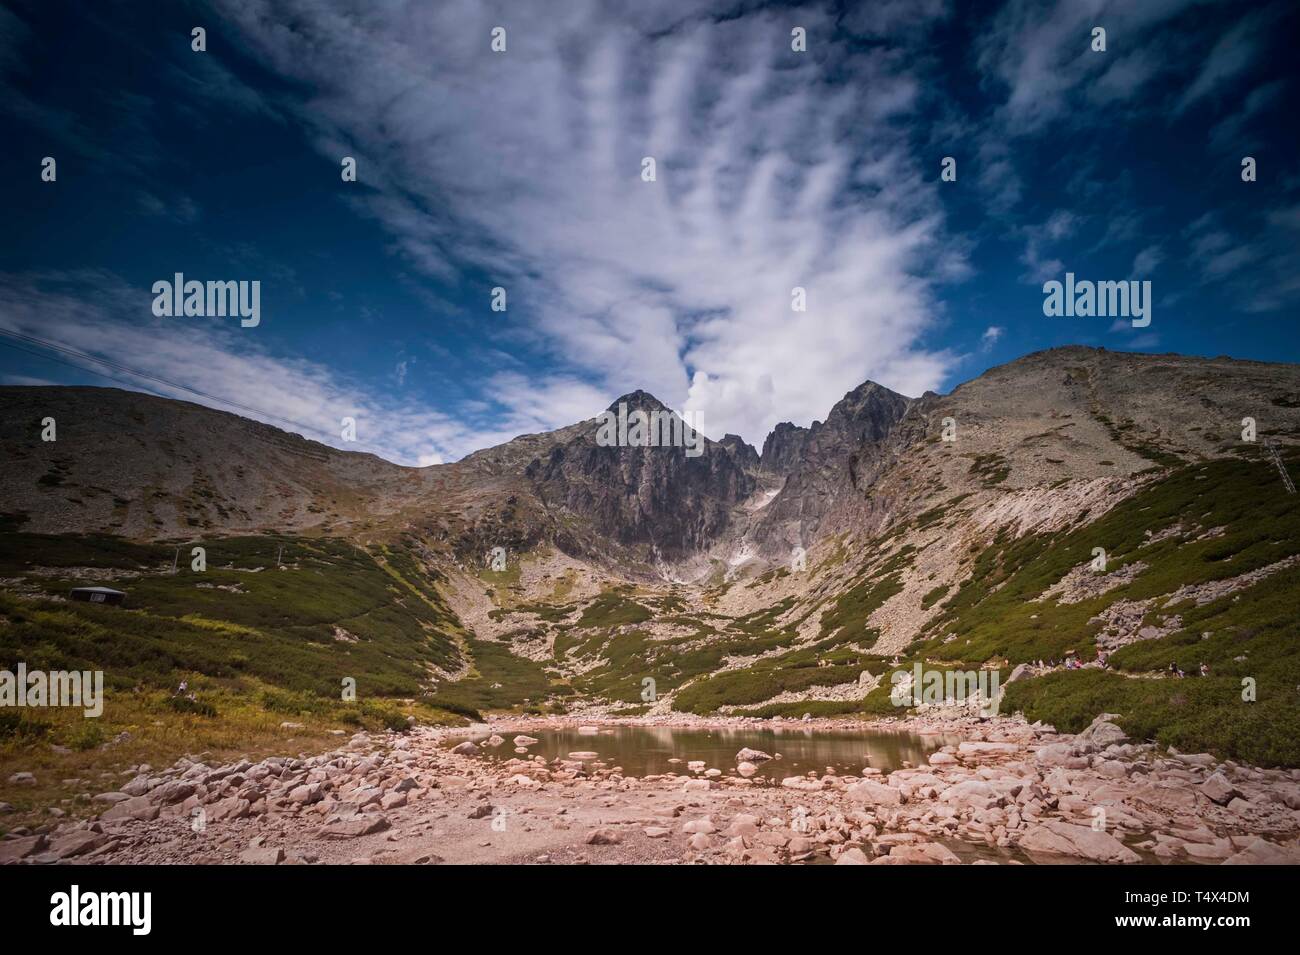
[(638, 401), (742, 452), (783, 448)]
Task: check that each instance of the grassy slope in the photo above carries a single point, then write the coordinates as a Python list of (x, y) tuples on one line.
[(277, 635), (994, 616), (277, 625), (255, 656)]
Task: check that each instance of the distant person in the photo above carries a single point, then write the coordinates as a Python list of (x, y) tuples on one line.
[(1205, 669)]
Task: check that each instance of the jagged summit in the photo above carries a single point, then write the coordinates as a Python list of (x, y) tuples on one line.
[(638, 400), (1060, 415)]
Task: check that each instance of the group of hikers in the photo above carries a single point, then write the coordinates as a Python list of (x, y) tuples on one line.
[(1178, 673), (1072, 662)]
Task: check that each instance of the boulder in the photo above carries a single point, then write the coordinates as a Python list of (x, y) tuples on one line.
[(138, 786), (975, 793), (1259, 852), (134, 807), (306, 795), (700, 841), (975, 748), (744, 825), (852, 856), (925, 853), (351, 827), (77, 843), (232, 807), (1054, 754), (874, 794), (262, 855), (1102, 732), (177, 790), (1063, 838), (11, 850), (1218, 789)]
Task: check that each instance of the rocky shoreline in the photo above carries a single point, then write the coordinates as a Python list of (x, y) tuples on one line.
[(1008, 792)]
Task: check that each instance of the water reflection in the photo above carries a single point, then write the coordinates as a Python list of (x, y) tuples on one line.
[(648, 750)]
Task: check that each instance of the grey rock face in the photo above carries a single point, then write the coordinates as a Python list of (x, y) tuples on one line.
[(655, 496), (783, 449), (744, 454), (832, 466)]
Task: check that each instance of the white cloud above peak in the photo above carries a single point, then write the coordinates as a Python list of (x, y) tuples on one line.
[(525, 167)]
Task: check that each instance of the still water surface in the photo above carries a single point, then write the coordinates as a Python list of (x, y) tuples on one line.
[(647, 750)]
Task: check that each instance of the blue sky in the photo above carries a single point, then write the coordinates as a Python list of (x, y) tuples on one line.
[(522, 169)]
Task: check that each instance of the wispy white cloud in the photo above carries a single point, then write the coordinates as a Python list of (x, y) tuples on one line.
[(1231, 56), (96, 314), (525, 166), (1041, 56), (1147, 260)]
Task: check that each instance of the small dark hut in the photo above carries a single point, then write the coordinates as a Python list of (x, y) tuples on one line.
[(97, 595)]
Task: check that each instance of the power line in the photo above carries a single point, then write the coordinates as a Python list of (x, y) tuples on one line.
[(1280, 464)]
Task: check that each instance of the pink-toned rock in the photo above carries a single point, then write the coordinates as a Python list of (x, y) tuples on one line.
[(874, 794), (136, 807), (743, 824), (1259, 852), (700, 841), (262, 855), (1218, 789), (77, 843), (853, 856), (11, 850), (976, 748), (232, 807), (351, 827), (1063, 838), (925, 853)]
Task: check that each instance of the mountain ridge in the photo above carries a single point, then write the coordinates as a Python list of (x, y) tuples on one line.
[(817, 480), (557, 571)]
